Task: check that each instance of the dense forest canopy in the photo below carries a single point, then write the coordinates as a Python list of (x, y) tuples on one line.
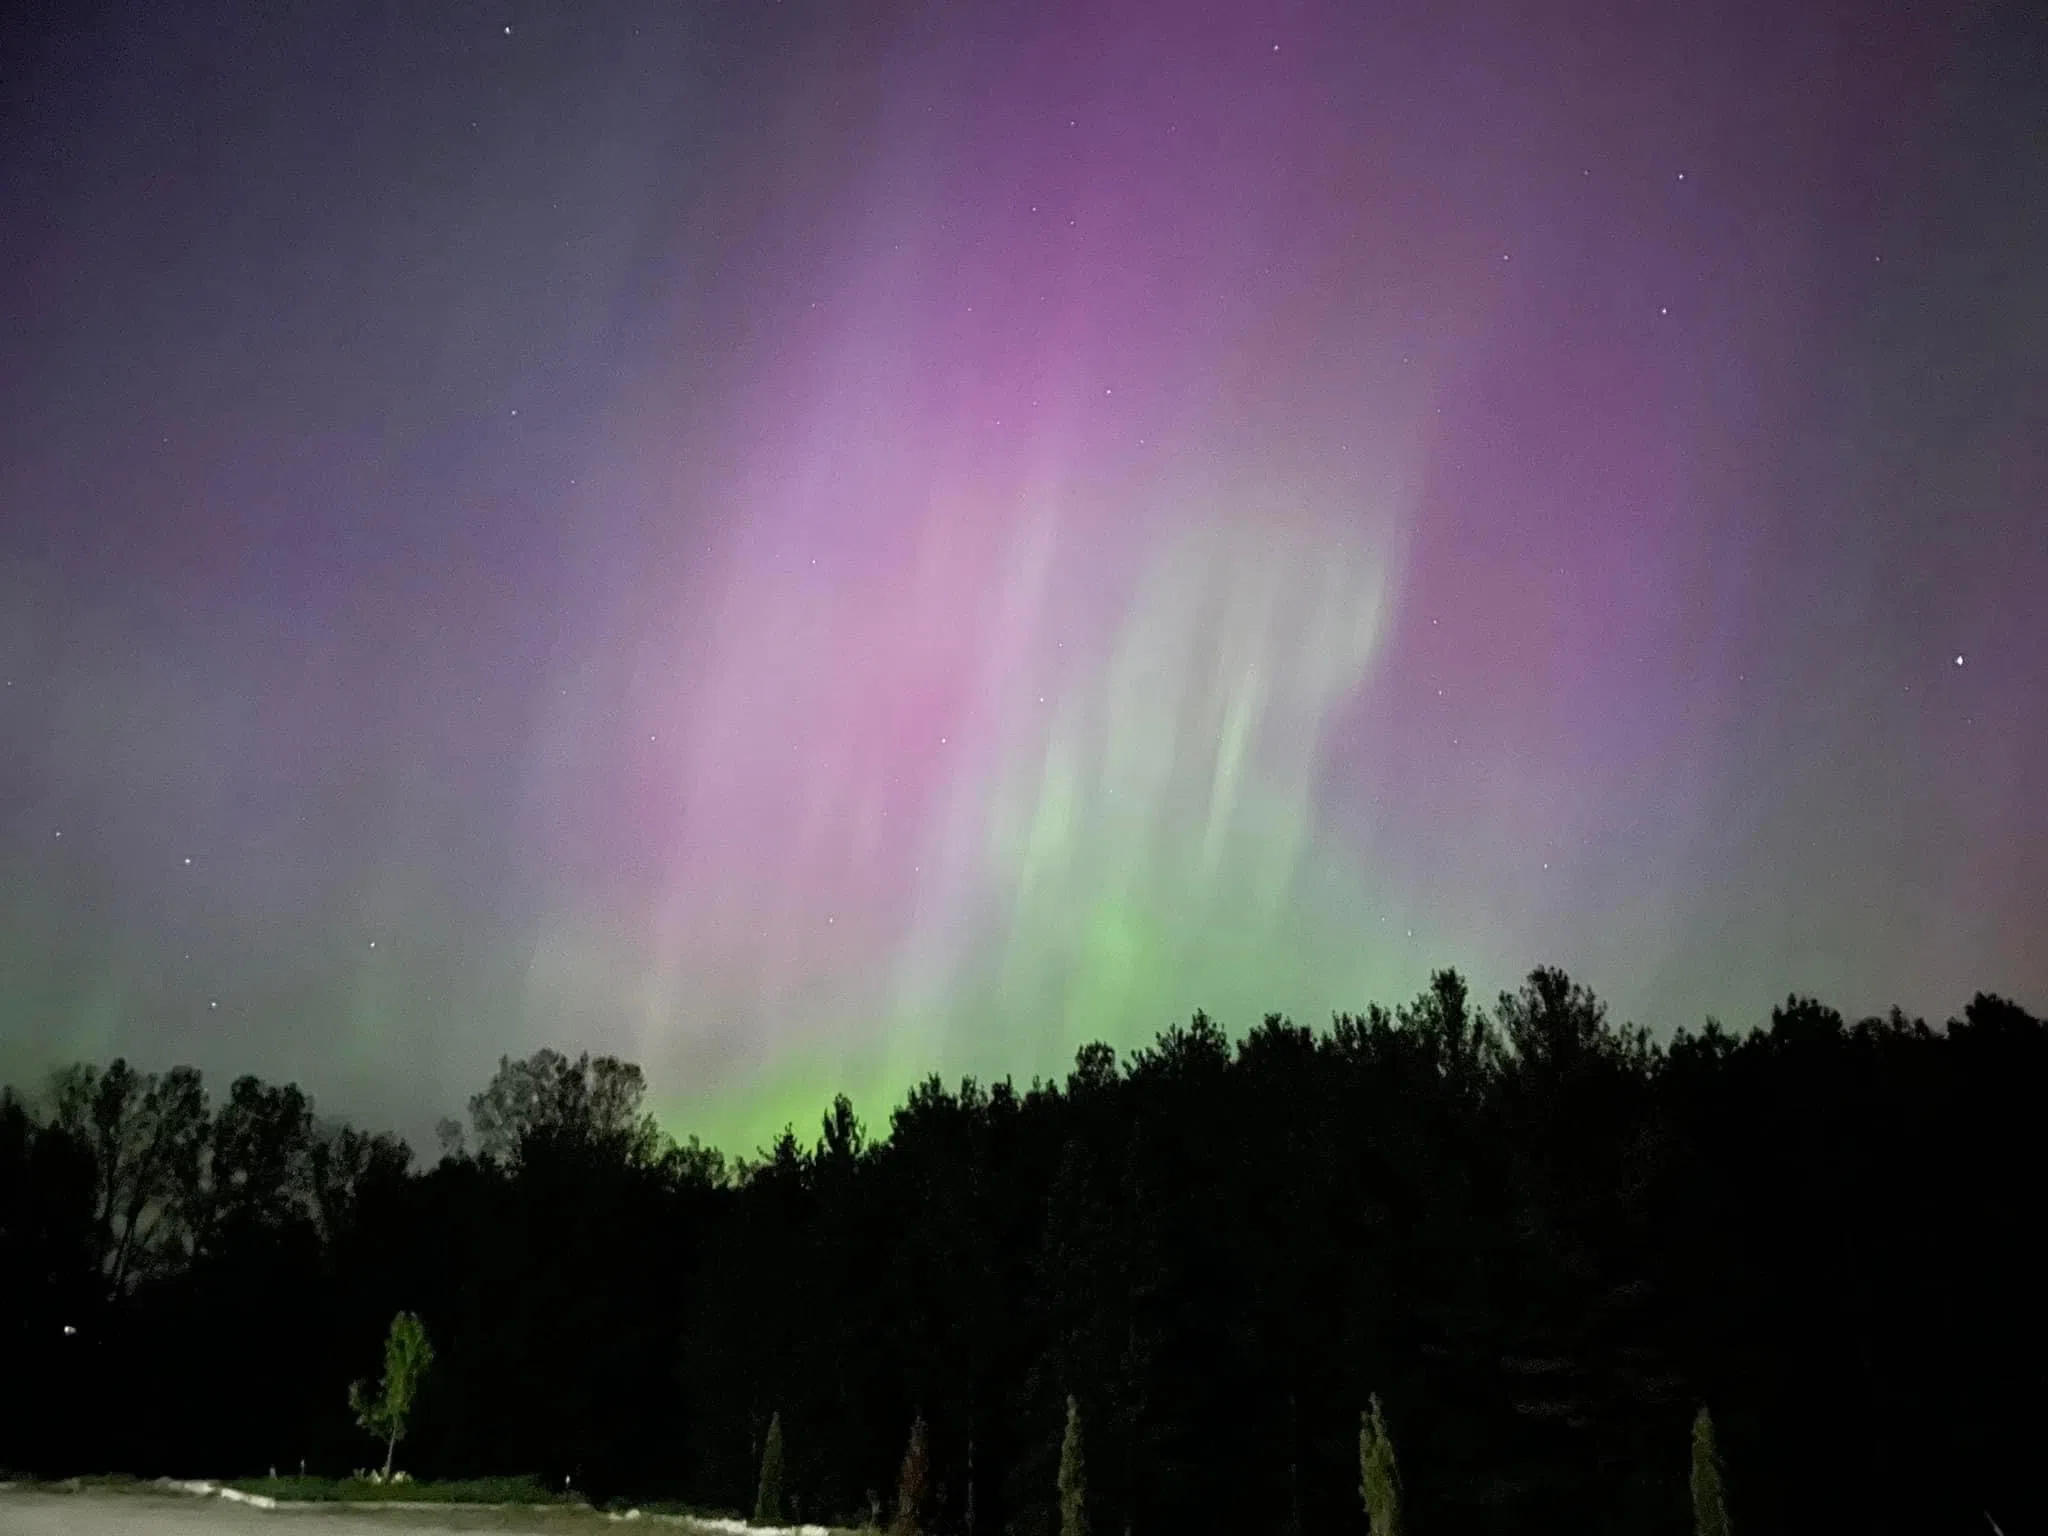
[(1543, 1240)]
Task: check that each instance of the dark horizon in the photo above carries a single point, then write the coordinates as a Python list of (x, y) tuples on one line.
[(1540, 1240), (424, 1138)]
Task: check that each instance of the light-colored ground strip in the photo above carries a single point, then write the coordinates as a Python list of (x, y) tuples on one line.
[(25, 1512), (171, 1508)]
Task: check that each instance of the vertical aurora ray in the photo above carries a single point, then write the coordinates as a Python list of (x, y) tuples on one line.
[(1049, 780), (1151, 847)]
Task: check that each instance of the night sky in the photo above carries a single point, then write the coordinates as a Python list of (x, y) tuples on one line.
[(810, 543)]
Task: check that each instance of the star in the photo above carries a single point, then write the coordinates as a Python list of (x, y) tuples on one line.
[(188, 861), (1959, 658)]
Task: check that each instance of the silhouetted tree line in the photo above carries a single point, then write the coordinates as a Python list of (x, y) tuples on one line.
[(1542, 1241)]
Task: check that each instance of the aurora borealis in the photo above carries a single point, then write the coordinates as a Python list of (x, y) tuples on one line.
[(811, 543)]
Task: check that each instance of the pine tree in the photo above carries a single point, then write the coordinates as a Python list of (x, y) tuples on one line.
[(1379, 1476), (1709, 1497), (916, 1479), (1073, 1477), (768, 1497)]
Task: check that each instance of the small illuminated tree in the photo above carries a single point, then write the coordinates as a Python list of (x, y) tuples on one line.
[(408, 1356), (1073, 1477), (1379, 1476), (1709, 1497)]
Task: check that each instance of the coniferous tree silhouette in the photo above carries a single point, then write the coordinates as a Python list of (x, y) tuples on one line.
[(768, 1500), (1073, 1477), (1379, 1476), (913, 1488), (1709, 1495)]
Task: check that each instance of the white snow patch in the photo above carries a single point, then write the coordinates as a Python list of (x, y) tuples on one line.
[(713, 1525), (721, 1524)]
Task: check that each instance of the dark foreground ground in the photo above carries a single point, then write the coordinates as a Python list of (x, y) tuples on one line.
[(26, 1512)]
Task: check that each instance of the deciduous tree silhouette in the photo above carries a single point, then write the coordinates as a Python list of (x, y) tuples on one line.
[(147, 1135)]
